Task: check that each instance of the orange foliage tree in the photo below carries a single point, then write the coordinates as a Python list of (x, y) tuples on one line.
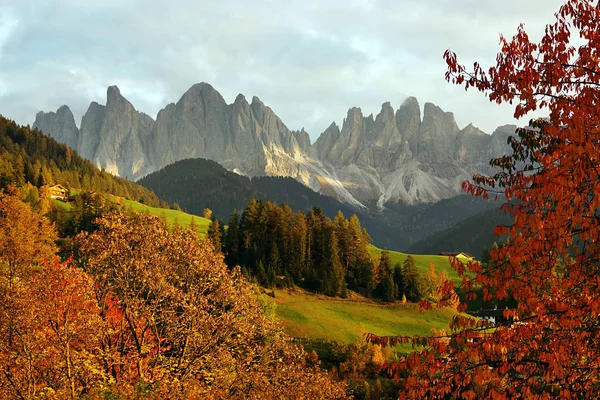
[(151, 313), (26, 238), (179, 324), (51, 349), (551, 263)]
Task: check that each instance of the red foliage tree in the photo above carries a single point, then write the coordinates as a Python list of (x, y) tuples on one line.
[(551, 263)]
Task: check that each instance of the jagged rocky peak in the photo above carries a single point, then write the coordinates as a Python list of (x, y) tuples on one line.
[(91, 123), (115, 102), (408, 118), (303, 139), (385, 132), (113, 92), (404, 155), (201, 95), (241, 99), (197, 88), (354, 115), (258, 108), (432, 111), (352, 126), (122, 137), (436, 134), (326, 140), (472, 130), (60, 125), (387, 111), (438, 124)]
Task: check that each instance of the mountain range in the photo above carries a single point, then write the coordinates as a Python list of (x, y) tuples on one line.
[(397, 156)]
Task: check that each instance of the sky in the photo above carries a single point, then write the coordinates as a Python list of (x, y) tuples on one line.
[(309, 60)]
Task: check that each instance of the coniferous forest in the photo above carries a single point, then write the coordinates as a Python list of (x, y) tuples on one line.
[(282, 248)]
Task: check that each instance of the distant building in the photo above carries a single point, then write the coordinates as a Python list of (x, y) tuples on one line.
[(59, 192), (494, 315), (457, 254)]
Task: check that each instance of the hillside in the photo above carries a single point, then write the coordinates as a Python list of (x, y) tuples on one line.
[(182, 218), (28, 156), (197, 183), (473, 235), (312, 316), (423, 261), (172, 217)]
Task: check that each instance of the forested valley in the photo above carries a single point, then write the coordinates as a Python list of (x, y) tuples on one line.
[(100, 301)]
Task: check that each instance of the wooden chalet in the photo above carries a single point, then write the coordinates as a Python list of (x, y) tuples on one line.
[(59, 192), (495, 315), (457, 254)]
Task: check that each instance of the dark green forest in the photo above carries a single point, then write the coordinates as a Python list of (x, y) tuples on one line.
[(474, 235), (280, 247), (196, 184)]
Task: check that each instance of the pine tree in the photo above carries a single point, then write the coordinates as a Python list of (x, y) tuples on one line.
[(214, 234), (335, 274), (412, 280), (399, 280), (344, 238), (388, 289), (385, 288), (247, 245), (274, 259), (232, 239), (298, 234)]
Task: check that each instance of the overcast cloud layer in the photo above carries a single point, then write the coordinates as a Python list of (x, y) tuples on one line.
[(308, 60)]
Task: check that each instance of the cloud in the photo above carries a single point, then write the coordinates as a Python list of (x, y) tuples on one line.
[(309, 60)]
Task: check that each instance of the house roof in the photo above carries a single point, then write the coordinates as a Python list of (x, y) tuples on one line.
[(58, 186), (456, 254)]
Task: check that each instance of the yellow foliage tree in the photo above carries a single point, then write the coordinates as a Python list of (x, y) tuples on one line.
[(178, 322)]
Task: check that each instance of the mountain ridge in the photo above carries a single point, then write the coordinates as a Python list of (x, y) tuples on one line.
[(394, 156), (199, 183)]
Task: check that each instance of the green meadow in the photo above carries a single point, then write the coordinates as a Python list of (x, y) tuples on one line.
[(423, 261), (172, 217), (313, 316)]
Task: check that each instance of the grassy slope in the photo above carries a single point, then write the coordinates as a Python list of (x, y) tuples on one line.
[(62, 206), (315, 316), (440, 263), (171, 216)]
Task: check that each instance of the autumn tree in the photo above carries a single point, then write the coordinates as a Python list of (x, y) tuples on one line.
[(48, 313), (550, 264), (180, 324), (26, 238), (67, 325), (54, 348)]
